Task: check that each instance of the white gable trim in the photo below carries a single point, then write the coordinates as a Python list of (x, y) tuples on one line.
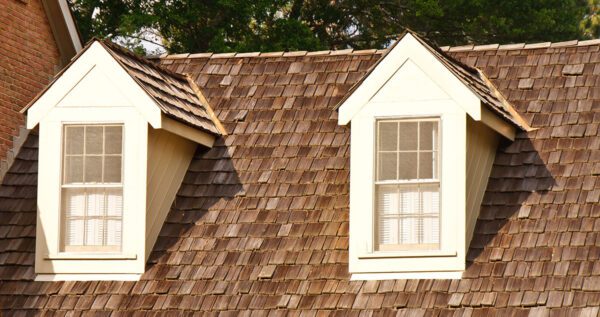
[(98, 58), (409, 48), (187, 132)]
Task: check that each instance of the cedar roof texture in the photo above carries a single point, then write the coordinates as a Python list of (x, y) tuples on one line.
[(260, 223), (173, 92)]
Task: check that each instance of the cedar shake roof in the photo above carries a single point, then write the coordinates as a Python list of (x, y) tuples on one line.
[(260, 223), (175, 95)]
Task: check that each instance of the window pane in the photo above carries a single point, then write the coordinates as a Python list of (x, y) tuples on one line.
[(387, 200), (430, 199), (96, 205), (93, 169), (389, 230), (408, 217), (74, 202), (407, 168), (428, 135), (410, 230), (113, 140), (408, 136), (113, 234), (387, 166), (73, 169), (74, 140), (114, 202), (112, 169), (74, 232), (388, 136), (94, 232), (427, 165), (387, 205), (93, 140), (409, 200), (431, 231)]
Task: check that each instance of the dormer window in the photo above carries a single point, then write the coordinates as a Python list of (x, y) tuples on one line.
[(92, 188), (116, 136), (423, 135), (407, 184)]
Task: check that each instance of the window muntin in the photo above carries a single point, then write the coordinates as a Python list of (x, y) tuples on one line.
[(92, 188), (407, 185)]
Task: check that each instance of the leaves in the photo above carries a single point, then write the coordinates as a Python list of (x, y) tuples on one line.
[(276, 25)]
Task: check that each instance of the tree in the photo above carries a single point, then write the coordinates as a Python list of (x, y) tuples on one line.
[(275, 25), (590, 25)]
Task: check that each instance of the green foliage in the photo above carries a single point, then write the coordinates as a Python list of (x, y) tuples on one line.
[(275, 25), (590, 25)]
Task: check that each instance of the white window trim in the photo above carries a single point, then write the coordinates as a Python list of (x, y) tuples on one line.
[(363, 258), (50, 259), (110, 251), (449, 275), (86, 277), (406, 252), (443, 250), (89, 256)]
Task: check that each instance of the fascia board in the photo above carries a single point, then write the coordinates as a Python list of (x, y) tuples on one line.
[(95, 56), (409, 48)]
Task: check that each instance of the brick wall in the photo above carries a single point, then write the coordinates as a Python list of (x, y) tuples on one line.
[(28, 59)]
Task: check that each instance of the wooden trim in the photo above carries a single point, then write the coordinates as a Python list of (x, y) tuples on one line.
[(87, 277), (444, 275), (507, 105), (92, 248), (209, 109), (408, 247), (504, 128), (89, 256), (63, 28), (187, 132), (408, 254)]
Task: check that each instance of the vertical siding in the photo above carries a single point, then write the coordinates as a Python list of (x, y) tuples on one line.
[(482, 143), (169, 157)]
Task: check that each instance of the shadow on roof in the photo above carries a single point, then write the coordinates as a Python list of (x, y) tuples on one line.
[(202, 202), (516, 191)]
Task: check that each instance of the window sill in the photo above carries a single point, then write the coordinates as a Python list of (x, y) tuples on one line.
[(86, 277), (90, 256), (408, 254), (442, 275)]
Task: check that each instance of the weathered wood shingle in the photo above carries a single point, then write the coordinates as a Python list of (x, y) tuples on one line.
[(260, 223), (172, 91)]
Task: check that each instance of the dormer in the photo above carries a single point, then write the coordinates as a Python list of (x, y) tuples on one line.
[(116, 136), (424, 133)]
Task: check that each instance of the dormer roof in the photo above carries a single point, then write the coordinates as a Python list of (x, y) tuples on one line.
[(176, 95), (474, 79)]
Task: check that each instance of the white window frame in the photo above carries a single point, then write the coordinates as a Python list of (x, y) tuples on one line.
[(50, 257), (64, 248), (364, 258), (397, 182)]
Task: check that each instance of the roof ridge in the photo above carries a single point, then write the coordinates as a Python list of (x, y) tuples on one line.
[(142, 59), (211, 55), (350, 51), (519, 46)]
